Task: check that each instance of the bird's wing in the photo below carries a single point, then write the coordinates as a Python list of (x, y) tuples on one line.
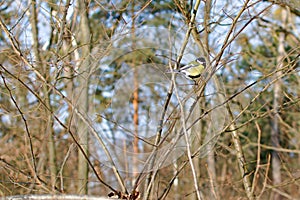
[(187, 67)]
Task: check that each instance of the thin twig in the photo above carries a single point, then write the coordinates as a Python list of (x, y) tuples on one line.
[(254, 181), (188, 145), (212, 182), (266, 176)]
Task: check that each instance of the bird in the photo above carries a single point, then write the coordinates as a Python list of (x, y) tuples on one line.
[(193, 69)]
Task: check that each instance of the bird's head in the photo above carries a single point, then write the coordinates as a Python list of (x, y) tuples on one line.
[(201, 61)]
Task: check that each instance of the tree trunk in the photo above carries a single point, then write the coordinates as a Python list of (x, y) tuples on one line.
[(135, 100), (46, 94), (83, 100), (275, 133)]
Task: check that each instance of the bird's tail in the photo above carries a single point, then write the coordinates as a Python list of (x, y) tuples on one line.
[(174, 71)]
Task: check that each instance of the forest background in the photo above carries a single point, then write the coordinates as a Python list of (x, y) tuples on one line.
[(87, 105)]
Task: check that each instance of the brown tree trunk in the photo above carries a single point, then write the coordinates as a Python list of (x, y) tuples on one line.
[(135, 100)]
